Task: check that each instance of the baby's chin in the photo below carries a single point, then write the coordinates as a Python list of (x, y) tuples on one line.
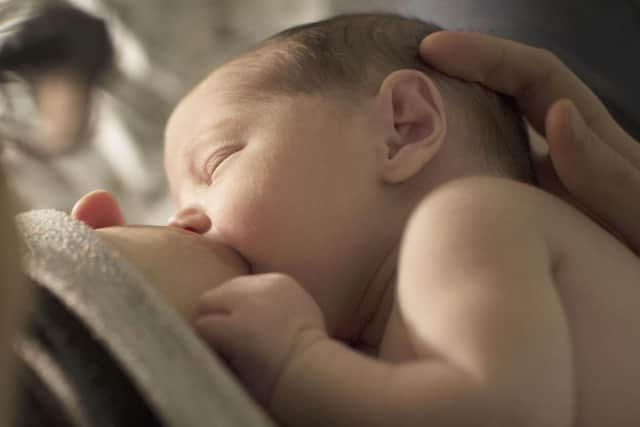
[(182, 265)]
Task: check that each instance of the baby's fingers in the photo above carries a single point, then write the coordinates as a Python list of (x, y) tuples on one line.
[(225, 298), (218, 332)]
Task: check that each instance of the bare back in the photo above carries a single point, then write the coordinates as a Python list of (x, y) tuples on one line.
[(598, 282)]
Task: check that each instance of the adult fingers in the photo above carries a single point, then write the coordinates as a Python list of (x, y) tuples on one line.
[(535, 77), (604, 181)]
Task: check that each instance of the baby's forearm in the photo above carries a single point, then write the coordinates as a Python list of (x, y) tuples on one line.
[(332, 385)]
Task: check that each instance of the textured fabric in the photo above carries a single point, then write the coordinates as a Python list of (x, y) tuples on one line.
[(185, 383)]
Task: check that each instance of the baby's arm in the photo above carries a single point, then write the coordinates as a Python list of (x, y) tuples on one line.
[(476, 292)]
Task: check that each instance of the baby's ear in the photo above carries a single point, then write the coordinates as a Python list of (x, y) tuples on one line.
[(416, 116), (98, 209)]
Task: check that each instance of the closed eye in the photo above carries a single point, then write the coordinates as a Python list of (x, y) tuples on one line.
[(216, 159)]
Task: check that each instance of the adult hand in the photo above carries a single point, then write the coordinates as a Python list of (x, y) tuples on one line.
[(595, 159)]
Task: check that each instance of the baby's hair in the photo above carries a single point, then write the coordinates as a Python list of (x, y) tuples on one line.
[(354, 53)]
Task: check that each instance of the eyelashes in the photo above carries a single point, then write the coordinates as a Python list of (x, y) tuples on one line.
[(216, 159)]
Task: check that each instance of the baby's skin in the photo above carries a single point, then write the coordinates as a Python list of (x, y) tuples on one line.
[(481, 300), (368, 222)]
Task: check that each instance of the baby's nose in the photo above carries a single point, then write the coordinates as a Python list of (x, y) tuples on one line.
[(191, 218)]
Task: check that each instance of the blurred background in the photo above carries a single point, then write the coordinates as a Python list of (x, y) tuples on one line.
[(164, 47)]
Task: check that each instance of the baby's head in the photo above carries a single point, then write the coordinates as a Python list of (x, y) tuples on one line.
[(308, 153)]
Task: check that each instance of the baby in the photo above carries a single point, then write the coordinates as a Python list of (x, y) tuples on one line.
[(420, 279)]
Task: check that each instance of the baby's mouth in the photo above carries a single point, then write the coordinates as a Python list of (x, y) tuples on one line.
[(215, 235)]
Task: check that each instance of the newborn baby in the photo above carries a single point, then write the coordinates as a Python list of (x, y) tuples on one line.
[(420, 279)]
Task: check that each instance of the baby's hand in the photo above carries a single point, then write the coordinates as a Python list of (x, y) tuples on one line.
[(259, 324)]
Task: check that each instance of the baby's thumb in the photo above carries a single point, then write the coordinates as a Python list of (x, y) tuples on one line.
[(596, 175)]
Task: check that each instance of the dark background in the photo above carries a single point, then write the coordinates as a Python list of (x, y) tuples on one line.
[(598, 39)]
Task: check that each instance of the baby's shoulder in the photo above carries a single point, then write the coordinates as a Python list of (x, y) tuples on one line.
[(474, 219), (496, 204), (487, 201)]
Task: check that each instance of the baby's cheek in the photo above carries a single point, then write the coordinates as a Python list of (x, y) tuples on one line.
[(264, 215), (249, 225)]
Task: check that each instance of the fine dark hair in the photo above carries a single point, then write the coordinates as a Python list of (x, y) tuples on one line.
[(352, 54)]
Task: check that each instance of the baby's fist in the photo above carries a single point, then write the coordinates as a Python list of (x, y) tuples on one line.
[(258, 324)]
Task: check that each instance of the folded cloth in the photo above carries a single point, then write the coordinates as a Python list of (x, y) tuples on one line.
[(184, 382)]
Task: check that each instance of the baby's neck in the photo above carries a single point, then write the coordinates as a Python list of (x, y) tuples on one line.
[(373, 313)]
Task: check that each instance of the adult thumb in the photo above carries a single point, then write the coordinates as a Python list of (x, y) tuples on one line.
[(98, 209), (596, 175)]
